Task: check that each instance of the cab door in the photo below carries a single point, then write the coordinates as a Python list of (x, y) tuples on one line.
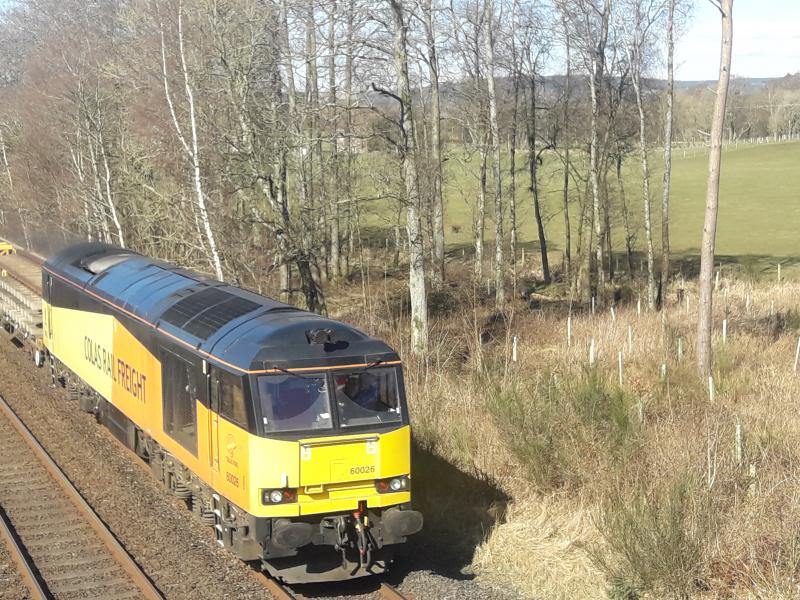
[(213, 421)]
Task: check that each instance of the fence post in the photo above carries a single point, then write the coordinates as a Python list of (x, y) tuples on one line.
[(738, 443), (796, 355), (569, 331)]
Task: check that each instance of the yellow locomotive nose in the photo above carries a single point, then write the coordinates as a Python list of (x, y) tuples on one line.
[(339, 460)]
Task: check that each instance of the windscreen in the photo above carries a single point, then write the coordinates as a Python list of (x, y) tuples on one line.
[(294, 402), (367, 397)]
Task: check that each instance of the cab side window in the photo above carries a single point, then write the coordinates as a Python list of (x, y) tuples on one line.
[(232, 404), (179, 398)]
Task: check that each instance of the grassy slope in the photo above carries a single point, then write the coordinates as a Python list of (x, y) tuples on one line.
[(539, 480), (759, 210)]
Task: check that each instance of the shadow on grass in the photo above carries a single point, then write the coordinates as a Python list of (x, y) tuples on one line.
[(752, 266), (460, 510)]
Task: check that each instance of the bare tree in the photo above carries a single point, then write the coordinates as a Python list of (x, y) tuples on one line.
[(565, 140), (644, 14), (494, 130), (467, 21), (438, 267), (7, 168), (705, 281), (589, 24), (407, 149), (516, 75), (191, 147), (668, 121), (534, 156), (335, 244)]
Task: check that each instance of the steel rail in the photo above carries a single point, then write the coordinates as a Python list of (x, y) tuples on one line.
[(120, 555), (25, 569), (389, 592), (36, 288), (278, 591)]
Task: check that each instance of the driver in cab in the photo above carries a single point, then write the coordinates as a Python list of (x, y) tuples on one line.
[(361, 389)]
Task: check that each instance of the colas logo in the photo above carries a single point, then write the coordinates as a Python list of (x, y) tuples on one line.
[(230, 448)]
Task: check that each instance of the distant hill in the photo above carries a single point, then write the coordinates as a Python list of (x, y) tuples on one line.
[(552, 86), (788, 81)]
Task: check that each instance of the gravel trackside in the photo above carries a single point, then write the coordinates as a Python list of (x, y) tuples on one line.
[(177, 552)]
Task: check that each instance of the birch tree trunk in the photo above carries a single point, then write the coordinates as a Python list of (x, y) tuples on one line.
[(512, 168), (192, 152), (595, 80), (294, 134), (499, 266), (705, 281), (316, 183), (112, 208), (625, 217), (565, 195), (102, 218), (634, 56), (480, 220), (438, 272), (335, 257), (7, 167), (668, 119), (352, 226), (533, 169), (416, 269)]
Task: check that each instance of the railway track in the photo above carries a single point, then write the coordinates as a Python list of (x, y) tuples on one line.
[(61, 546), (279, 592)]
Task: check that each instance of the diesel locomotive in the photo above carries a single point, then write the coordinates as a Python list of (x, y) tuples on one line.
[(286, 431)]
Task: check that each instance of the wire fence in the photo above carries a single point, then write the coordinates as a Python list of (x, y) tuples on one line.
[(694, 147)]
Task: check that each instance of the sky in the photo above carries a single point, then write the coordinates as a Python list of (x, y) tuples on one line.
[(766, 40)]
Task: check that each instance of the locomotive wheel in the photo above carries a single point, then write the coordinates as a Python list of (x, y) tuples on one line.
[(85, 401)]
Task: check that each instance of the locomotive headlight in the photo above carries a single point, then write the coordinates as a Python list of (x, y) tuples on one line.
[(395, 484), (278, 496)]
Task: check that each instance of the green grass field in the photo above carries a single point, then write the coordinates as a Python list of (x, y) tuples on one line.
[(759, 219)]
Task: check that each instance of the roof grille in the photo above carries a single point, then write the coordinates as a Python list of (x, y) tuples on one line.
[(207, 311)]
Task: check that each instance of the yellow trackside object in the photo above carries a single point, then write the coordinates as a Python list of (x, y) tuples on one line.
[(6, 249)]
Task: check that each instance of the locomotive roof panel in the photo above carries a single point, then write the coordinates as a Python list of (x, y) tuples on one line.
[(239, 327)]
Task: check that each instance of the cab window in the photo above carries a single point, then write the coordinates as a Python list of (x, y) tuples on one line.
[(179, 397), (294, 402), (367, 397), (230, 394)]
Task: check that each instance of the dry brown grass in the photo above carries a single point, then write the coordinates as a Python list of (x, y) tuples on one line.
[(556, 527)]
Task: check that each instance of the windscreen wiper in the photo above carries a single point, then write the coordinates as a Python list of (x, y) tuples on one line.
[(293, 374), (373, 365)]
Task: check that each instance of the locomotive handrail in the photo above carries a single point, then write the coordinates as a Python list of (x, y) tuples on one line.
[(338, 441)]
